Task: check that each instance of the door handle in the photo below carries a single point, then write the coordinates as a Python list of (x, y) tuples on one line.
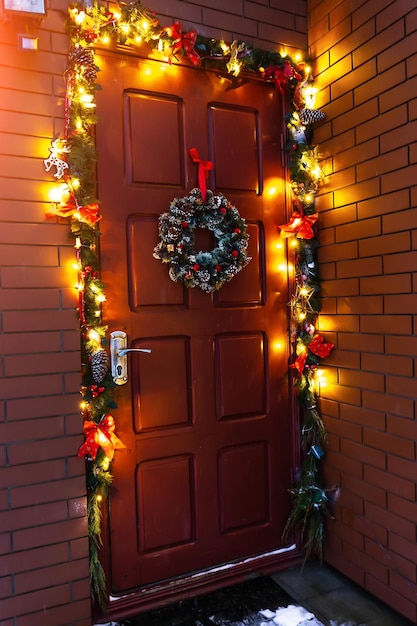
[(118, 356)]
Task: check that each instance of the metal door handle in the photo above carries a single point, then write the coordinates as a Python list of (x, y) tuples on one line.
[(126, 350), (118, 356)]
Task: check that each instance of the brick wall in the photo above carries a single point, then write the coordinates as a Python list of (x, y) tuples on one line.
[(366, 66), (43, 531)]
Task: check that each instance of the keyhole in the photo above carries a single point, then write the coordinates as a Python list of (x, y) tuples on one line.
[(119, 369)]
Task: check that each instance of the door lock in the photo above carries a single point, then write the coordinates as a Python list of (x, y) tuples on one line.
[(118, 356)]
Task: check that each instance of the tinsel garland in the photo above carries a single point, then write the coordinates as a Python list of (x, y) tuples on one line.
[(74, 157)]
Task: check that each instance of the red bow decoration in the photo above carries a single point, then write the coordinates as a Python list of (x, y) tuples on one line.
[(203, 169), (300, 225), (102, 436), (281, 75), (87, 214), (184, 42), (318, 347)]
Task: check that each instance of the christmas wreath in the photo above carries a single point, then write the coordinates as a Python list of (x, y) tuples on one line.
[(207, 270)]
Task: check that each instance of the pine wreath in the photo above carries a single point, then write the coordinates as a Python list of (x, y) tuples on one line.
[(207, 270)]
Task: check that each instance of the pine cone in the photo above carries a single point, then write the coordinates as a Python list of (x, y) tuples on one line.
[(99, 365), (309, 116)]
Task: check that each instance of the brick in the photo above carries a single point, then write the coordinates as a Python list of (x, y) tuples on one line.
[(44, 450), (369, 492), (391, 597), (356, 193), (394, 484), (386, 163), (38, 321), (30, 299), (33, 515), (34, 473), (77, 612), (380, 46), (346, 287), (347, 250), (32, 601), (399, 263), (392, 304), (363, 416), (364, 453), (353, 341), (362, 525), (383, 124), (48, 492), (50, 576), (58, 362), (47, 406), (340, 323), (25, 343), (393, 12), (402, 586), (384, 204), (395, 562), (388, 403), (346, 465), (368, 564), (406, 346), (398, 283), (365, 74), (371, 266), (398, 179), (358, 230), (34, 429), (340, 180), (387, 364), (333, 36), (376, 84), (363, 153), (411, 22), (354, 43), (392, 224), (401, 467), (50, 533), (361, 304), (402, 507), (367, 11), (36, 386), (389, 443), (397, 95), (361, 379), (343, 430), (347, 395)]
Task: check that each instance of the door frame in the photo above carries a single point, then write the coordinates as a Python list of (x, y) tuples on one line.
[(157, 595)]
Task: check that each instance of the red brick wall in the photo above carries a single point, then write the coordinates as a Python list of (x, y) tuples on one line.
[(366, 67), (43, 530)]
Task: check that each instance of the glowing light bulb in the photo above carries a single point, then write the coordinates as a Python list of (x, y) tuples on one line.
[(93, 335), (99, 497)]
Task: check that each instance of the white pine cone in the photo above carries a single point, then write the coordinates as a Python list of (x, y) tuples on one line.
[(99, 365)]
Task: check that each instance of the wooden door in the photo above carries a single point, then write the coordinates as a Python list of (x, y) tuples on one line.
[(205, 417)]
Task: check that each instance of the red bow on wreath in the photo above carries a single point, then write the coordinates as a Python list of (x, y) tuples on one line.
[(318, 347), (203, 169), (184, 42), (300, 225), (281, 75), (102, 436)]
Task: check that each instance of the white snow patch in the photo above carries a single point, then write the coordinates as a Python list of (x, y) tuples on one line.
[(291, 615)]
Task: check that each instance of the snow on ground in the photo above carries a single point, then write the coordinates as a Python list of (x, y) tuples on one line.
[(291, 615)]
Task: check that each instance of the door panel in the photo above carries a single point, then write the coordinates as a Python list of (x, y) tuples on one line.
[(205, 418)]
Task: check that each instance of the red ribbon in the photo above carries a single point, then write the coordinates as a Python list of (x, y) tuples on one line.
[(88, 213), (318, 347), (102, 436), (300, 225), (184, 42), (203, 169), (281, 75)]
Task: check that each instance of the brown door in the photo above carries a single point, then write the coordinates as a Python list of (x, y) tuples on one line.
[(204, 478)]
